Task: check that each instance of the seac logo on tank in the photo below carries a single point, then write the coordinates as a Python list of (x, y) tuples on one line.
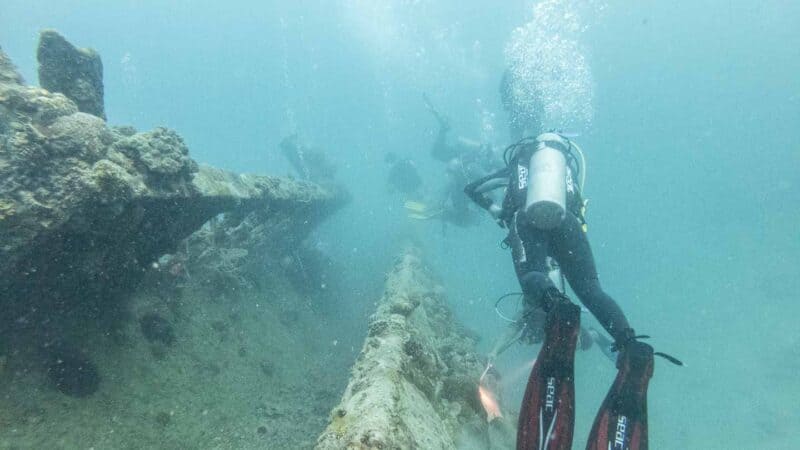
[(522, 176)]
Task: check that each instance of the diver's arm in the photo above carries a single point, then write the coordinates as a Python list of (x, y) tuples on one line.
[(477, 190), (444, 124), (492, 185)]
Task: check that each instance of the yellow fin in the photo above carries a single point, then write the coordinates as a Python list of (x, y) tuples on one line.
[(415, 206)]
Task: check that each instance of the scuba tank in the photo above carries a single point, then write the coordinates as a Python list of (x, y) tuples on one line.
[(546, 199)]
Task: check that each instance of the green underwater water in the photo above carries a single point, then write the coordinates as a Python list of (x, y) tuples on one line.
[(693, 152)]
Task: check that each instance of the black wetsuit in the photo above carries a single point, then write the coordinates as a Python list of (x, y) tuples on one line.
[(567, 244)]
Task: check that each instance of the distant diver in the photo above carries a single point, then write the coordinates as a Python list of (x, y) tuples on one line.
[(403, 175), (310, 163), (543, 210), (464, 159)]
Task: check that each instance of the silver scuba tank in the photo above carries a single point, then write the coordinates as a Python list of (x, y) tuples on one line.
[(546, 198)]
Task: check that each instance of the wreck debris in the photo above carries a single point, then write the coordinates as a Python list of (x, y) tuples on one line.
[(414, 385)]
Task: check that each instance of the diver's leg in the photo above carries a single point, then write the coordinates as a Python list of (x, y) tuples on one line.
[(546, 416), (529, 249), (571, 249)]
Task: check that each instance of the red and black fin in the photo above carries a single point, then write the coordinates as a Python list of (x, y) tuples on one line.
[(621, 423), (546, 419)]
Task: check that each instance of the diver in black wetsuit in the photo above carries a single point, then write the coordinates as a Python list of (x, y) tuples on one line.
[(543, 211), (464, 160), (531, 246)]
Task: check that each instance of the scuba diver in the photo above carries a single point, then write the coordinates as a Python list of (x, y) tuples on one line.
[(403, 175), (310, 163), (472, 156), (464, 160), (543, 210)]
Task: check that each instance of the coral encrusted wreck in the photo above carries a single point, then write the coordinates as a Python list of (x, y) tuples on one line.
[(85, 207), (74, 72), (414, 384)]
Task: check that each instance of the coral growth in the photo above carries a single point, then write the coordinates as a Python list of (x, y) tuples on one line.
[(8, 73), (414, 383), (76, 73)]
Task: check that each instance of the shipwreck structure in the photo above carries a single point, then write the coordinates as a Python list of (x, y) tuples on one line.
[(166, 302), (87, 208), (414, 385)]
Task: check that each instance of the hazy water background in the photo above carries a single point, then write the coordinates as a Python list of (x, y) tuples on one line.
[(693, 151)]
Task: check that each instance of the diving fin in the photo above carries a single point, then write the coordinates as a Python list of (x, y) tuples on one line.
[(415, 206), (420, 211), (546, 418), (621, 423)]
